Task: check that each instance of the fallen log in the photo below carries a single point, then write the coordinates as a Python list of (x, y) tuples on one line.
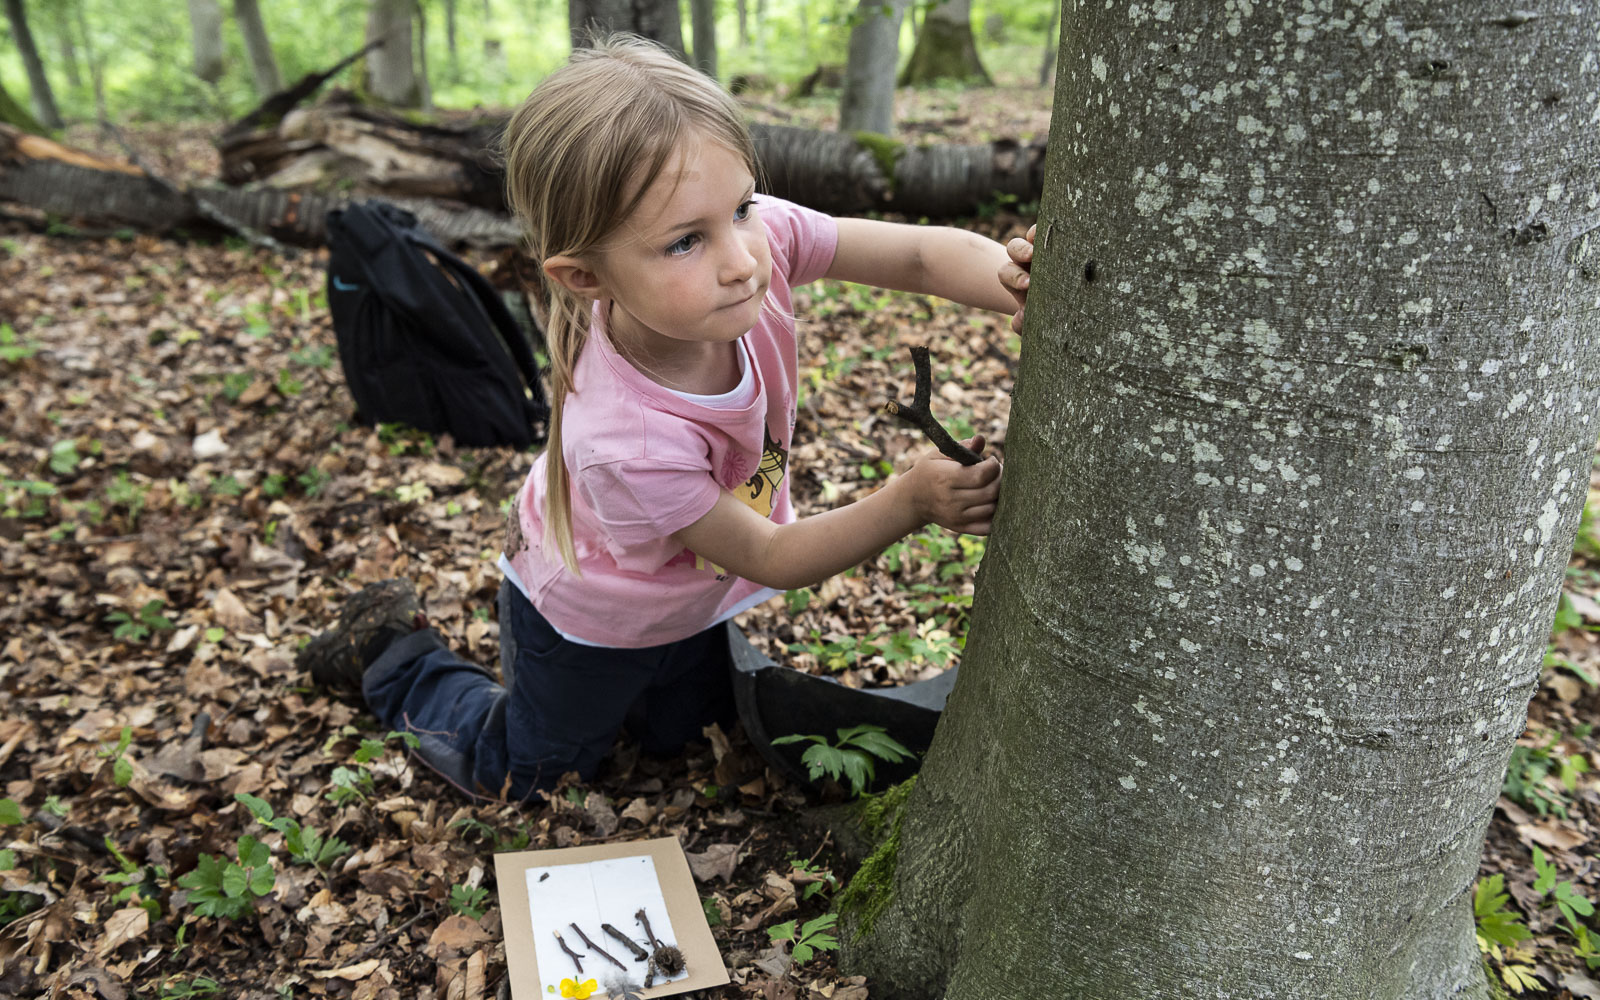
[(70, 183), (344, 142)]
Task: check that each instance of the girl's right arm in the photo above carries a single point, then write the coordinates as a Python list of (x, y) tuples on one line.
[(787, 556)]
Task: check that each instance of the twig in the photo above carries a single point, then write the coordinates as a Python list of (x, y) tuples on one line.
[(391, 933), (648, 933), (596, 948), (920, 416), (577, 959), (203, 207), (639, 954)]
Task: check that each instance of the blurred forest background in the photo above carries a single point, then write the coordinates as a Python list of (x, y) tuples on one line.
[(137, 58)]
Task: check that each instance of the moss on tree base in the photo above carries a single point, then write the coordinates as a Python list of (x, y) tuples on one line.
[(872, 887)]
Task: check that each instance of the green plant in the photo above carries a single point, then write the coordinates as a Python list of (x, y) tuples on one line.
[(140, 883), (851, 755), (356, 784), (26, 497), (515, 842), (1588, 543), (226, 485), (288, 384), (813, 878), (274, 485), (1567, 616), (15, 903), (304, 844), (200, 986), (228, 889), (234, 384), (812, 937), (10, 813), (121, 769), (139, 625), (320, 356), (12, 349), (313, 480), (124, 492), (64, 457), (1556, 661), (1571, 903), (1542, 777), (468, 900)]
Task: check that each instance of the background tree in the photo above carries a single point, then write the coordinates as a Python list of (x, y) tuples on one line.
[(61, 17), (945, 47), (391, 73), (703, 20), (1301, 436), (867, 101), (263, 64), (12, 112), (205, 27), (44, 101), (656, 19)]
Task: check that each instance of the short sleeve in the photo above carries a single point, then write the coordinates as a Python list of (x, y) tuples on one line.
[(803, 239), (639, 502)]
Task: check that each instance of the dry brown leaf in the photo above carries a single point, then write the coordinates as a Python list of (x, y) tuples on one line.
[(231, 613), (121, 927), (457, 933), (716, 861), (351, 973), (1557, 837)]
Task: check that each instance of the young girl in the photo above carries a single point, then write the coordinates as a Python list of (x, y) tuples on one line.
[(660, 507)]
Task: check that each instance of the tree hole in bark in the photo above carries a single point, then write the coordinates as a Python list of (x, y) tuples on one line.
[(1528, 233), (1091, 271), (1406, 356), (1436, 67)]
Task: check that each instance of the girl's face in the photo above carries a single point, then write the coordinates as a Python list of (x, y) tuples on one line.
[(692, 263)]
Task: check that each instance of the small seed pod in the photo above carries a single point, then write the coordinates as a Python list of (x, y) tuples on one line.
[(669, 960)]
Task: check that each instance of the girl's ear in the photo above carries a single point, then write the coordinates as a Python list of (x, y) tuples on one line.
[(573, 274)]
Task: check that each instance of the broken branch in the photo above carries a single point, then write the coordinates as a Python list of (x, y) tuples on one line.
[(920, 416), (596, 948)]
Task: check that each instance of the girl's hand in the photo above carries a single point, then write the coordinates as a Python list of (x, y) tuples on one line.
[(1014, 273), (955, 496)]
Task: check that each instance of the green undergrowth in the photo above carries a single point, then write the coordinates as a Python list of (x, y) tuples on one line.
[(872, 887)]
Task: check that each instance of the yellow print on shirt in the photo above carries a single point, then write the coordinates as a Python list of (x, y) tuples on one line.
[(760, 491)]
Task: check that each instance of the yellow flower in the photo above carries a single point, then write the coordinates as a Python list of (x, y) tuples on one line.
[(576, 990)]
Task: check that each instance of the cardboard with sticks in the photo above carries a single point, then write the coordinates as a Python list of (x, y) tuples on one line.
[(603, 920)]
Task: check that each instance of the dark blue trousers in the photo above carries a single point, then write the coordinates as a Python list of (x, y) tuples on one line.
[(560, 708)]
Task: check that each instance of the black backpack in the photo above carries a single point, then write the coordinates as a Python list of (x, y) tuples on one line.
[(424, 339)]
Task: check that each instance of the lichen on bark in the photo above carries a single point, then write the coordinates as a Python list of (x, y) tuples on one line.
[(872, 886)]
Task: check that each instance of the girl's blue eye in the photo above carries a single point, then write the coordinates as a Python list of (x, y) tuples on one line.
[(683, 245), (743, 211)]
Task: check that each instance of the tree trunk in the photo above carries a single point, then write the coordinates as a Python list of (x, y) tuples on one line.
[(96, 63), (205, 25), (744, 22), (424, 85), (44, 101), (390, 71), (1301, 437), (945, 48), (1051, 43), (263, 64), (656, 19), (867, 103), (450, 36), (703, 19), (12, 112), (65, 44)]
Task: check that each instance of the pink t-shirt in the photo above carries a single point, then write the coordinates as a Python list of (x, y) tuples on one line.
[(645, 462)]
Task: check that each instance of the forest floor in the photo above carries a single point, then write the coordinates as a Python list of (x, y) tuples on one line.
[(183, 502)]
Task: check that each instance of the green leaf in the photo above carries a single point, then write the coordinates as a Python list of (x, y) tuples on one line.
[(253, 853), (823, 759), (802, 953), (10, 813), (235, 880), (1546, 870), (8, 859), (857, 769), (261, 880), (258, 807), (797, 738), (781, 932), (121, 772)]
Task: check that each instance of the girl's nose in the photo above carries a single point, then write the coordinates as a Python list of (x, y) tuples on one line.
[(740, 262)]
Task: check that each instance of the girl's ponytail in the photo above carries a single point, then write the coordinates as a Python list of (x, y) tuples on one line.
[(565, 325)]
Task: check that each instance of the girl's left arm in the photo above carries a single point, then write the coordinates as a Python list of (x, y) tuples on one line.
[(932, 260)]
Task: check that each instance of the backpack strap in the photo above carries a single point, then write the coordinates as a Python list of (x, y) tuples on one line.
[(499, 315)]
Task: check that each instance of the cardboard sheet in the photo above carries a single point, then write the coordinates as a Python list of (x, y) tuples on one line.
[(542, 892)]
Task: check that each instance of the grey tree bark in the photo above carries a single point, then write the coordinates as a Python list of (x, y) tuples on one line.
[(867, 103), (450, 34), (656, 19), (44, 100), (391, 74), (424, 84), (945, 48), (205, 27), (703, 22), (66, 44), (744, 23), (263, 64), (1301, 436)]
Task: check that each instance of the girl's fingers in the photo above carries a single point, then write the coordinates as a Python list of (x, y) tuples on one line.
[(1016, 322)]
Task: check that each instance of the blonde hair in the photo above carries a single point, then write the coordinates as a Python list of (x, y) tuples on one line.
[(580, 153)]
